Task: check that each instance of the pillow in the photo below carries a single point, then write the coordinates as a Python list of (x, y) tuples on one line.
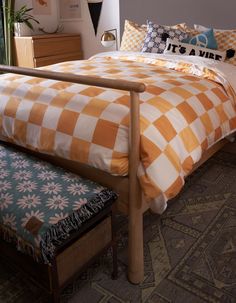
[(189, 30), (155, 40), (203, 39), (202, 28), (226, 40), (133, 36), (175, 47)]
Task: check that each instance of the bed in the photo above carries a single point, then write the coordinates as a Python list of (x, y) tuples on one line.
[(134, 114)]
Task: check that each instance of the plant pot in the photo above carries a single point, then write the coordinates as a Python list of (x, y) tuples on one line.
[(21, 30)]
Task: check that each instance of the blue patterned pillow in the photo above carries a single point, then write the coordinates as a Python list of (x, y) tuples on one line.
[(205, 39), (155, 40)]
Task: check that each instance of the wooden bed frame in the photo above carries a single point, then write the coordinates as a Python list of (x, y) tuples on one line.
[(130, 197)]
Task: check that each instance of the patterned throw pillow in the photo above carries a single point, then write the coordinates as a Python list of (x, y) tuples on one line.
[(155, 41), (203, 39), (227, 40), (189, 30), (175, 47), (133, 36), (202, 28)]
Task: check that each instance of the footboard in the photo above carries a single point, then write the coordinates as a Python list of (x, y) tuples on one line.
[(135, 209)]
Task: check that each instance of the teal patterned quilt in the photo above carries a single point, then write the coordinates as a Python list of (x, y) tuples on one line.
[(41, 205)]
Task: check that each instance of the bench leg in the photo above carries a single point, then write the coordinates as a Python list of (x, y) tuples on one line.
[(55, 297), (135, 246), (55, 289), (114, 274)]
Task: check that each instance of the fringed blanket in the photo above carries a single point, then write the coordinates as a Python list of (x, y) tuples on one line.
[(41, 205)]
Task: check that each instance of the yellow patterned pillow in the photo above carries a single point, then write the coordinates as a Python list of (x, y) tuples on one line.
[(189, 30), (133, 37), (226, 40)]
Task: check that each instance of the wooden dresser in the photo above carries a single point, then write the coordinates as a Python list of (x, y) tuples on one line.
[(41, 50)]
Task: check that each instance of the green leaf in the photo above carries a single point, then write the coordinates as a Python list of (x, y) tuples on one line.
[(28, 24), (21, 15)]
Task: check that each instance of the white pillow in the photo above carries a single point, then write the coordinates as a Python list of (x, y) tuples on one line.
[(202, 28), (176, 47)]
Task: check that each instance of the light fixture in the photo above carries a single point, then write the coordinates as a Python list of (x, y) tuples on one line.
[(108, 39)]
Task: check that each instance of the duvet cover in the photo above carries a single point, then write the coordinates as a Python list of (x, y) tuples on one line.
[(188, 105)]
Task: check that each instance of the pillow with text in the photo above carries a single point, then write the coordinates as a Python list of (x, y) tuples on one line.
[(175, 47)]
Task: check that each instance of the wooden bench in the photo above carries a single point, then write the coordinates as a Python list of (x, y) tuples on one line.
[(58, 221)]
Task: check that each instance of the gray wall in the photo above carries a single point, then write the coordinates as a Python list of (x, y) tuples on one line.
[(215, 13)]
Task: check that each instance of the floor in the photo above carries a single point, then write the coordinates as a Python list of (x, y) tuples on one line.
[(190, 251)]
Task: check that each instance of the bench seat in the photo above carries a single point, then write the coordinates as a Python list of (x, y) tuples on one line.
[(42, 206)]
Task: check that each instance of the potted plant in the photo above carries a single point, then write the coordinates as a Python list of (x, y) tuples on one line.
[(20, 21)]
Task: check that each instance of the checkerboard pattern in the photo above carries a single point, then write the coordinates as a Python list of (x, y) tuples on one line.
[(226, 40), (133, 37), (189, 30), (181, 116)]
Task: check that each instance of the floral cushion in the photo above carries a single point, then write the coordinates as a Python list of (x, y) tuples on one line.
[(41, 204)]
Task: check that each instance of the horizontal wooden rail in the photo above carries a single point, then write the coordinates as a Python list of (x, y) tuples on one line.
[(80, 79)]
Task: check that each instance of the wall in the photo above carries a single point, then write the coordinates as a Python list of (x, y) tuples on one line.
[(109, 19), (49, 22), (217, 13)]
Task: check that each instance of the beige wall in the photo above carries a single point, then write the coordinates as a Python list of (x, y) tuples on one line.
[(91, 44), (216, 13)]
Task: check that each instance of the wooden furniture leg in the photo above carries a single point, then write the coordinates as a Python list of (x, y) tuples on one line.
[(55, 288), (114, 274), (135, 248)]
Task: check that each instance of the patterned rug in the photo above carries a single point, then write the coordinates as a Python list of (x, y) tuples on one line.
[(190, 251)]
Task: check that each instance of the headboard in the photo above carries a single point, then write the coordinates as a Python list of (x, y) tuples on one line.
[(215, 13)]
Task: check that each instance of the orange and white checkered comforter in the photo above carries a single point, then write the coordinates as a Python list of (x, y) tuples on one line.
[(186, 108)]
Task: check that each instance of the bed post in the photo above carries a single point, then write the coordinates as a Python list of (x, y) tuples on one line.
[(135, 246)]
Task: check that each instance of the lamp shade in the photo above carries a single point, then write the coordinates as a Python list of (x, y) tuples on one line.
[(108, 39)]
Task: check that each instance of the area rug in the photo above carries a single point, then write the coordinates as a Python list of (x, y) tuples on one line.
[(190, 251)]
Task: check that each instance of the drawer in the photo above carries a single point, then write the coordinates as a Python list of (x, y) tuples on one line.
[(56, 59), (56, 46), (83, 250)]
